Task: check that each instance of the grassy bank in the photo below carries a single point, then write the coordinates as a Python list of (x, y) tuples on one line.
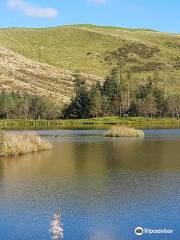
[(12, 144), (104, 122)]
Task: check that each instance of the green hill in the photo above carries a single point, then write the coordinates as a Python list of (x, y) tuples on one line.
[(95, 50)]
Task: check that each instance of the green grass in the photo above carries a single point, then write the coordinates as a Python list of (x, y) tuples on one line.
[(109, 27), (105, 122), (90, 49)]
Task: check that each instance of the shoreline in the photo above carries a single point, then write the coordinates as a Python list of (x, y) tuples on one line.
[(104, 122)]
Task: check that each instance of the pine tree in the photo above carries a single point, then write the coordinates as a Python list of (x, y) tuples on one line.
[(96, 101), (80, 103)]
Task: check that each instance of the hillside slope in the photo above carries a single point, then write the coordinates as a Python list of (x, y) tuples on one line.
[(19, 73), (92, 50)]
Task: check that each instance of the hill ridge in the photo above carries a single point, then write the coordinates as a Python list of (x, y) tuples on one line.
[(93, 50)]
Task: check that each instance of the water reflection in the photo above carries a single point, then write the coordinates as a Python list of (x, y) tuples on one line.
[(68, 158), (105, 188)]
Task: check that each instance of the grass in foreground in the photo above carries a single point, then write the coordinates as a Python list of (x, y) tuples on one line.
[(123, 131), (12, 144)]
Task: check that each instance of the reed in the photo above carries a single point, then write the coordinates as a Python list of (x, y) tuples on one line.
[(123, 131), (12, 144)]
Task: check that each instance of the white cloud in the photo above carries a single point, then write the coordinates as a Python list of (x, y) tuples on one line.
[(99, 1), (32, 10)]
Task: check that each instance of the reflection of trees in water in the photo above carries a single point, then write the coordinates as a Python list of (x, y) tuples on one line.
[(98, 157), (106, 177), (89, 157), (1, 169), (104, 155), (131, 154), (130, 167), (23, 165), (137, 154)]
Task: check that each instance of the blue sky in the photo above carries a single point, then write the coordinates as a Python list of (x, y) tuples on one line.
[(163, 15)]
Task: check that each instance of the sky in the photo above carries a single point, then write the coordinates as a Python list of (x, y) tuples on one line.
[(162, 15)]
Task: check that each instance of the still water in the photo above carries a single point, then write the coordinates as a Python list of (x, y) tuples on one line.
[(105, 187)]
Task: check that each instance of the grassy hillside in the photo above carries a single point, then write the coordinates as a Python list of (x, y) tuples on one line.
[(95, 50), (28, 76)]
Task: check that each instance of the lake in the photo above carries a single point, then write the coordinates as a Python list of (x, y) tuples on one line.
[(105, 187)]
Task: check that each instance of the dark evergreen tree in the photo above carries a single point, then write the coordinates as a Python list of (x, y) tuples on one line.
[(80, 103), (96, 101), (145, 89), (111, 92)]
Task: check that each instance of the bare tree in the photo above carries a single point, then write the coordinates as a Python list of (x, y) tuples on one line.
[(173, 105), (148, 106)]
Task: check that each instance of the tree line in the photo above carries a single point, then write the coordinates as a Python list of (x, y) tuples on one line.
[(17, 105), (116, 96)]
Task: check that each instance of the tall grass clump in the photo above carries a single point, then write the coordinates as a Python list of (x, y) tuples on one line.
[(123, 131), (12, 144)]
